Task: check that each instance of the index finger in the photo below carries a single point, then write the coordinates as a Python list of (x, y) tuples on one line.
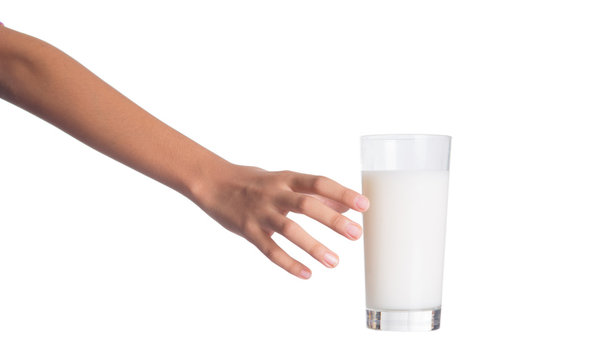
[(321, 185)]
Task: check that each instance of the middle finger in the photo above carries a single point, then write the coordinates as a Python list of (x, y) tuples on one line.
[(314, 208)]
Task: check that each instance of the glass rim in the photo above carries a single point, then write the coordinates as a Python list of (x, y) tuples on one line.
[(404, 137)]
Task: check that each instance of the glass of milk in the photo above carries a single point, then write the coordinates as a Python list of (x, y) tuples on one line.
[(405, 178)]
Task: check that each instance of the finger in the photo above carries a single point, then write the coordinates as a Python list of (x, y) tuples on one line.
[(320, 185), (294, 233), (278, 256), (332, 204), (313, 208)]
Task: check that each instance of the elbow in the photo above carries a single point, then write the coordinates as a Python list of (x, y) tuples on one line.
[(7, 65)]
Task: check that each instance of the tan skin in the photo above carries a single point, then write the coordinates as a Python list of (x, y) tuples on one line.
[(248, 201)]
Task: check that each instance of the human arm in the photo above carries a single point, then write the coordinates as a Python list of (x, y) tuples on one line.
[(249, 201)]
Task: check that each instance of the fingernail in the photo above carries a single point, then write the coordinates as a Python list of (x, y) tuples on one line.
[(330, 259), (305, 274), (362, 202), (353, 230)]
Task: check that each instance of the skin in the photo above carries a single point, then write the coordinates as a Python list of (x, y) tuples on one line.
[(248, 201)]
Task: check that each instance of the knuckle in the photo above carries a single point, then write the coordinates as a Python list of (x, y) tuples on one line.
[(285, 174), (269, 250), (316, 248), (344, 195), (303, 203), (293, 268), (288, 228), (249, 227), (318, 182), (272, 254), (336, 221), (293, 179)]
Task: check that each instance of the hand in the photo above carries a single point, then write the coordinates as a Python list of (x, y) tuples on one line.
[(254, 204)]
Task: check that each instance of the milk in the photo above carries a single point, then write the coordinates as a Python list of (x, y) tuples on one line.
[(404, 237)]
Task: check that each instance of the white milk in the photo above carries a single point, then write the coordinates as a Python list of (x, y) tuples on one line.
[(404, 237)]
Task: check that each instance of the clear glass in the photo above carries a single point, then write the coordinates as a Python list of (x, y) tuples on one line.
[(405, 178)]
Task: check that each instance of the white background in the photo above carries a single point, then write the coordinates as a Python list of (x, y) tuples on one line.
[(100, 262)]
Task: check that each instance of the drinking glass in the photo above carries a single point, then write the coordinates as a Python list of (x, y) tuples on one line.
[(405, 178)]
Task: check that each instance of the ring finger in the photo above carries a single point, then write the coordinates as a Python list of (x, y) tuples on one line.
[(314, 208), (294, 233)]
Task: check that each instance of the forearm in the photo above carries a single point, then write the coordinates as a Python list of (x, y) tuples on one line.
[(43, 80)]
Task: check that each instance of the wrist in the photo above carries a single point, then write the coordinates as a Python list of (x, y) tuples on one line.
[(206, 179)]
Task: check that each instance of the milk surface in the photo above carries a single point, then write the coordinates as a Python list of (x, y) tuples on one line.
[(404, 238)]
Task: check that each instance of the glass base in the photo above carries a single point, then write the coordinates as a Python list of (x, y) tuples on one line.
[(404, 320)]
